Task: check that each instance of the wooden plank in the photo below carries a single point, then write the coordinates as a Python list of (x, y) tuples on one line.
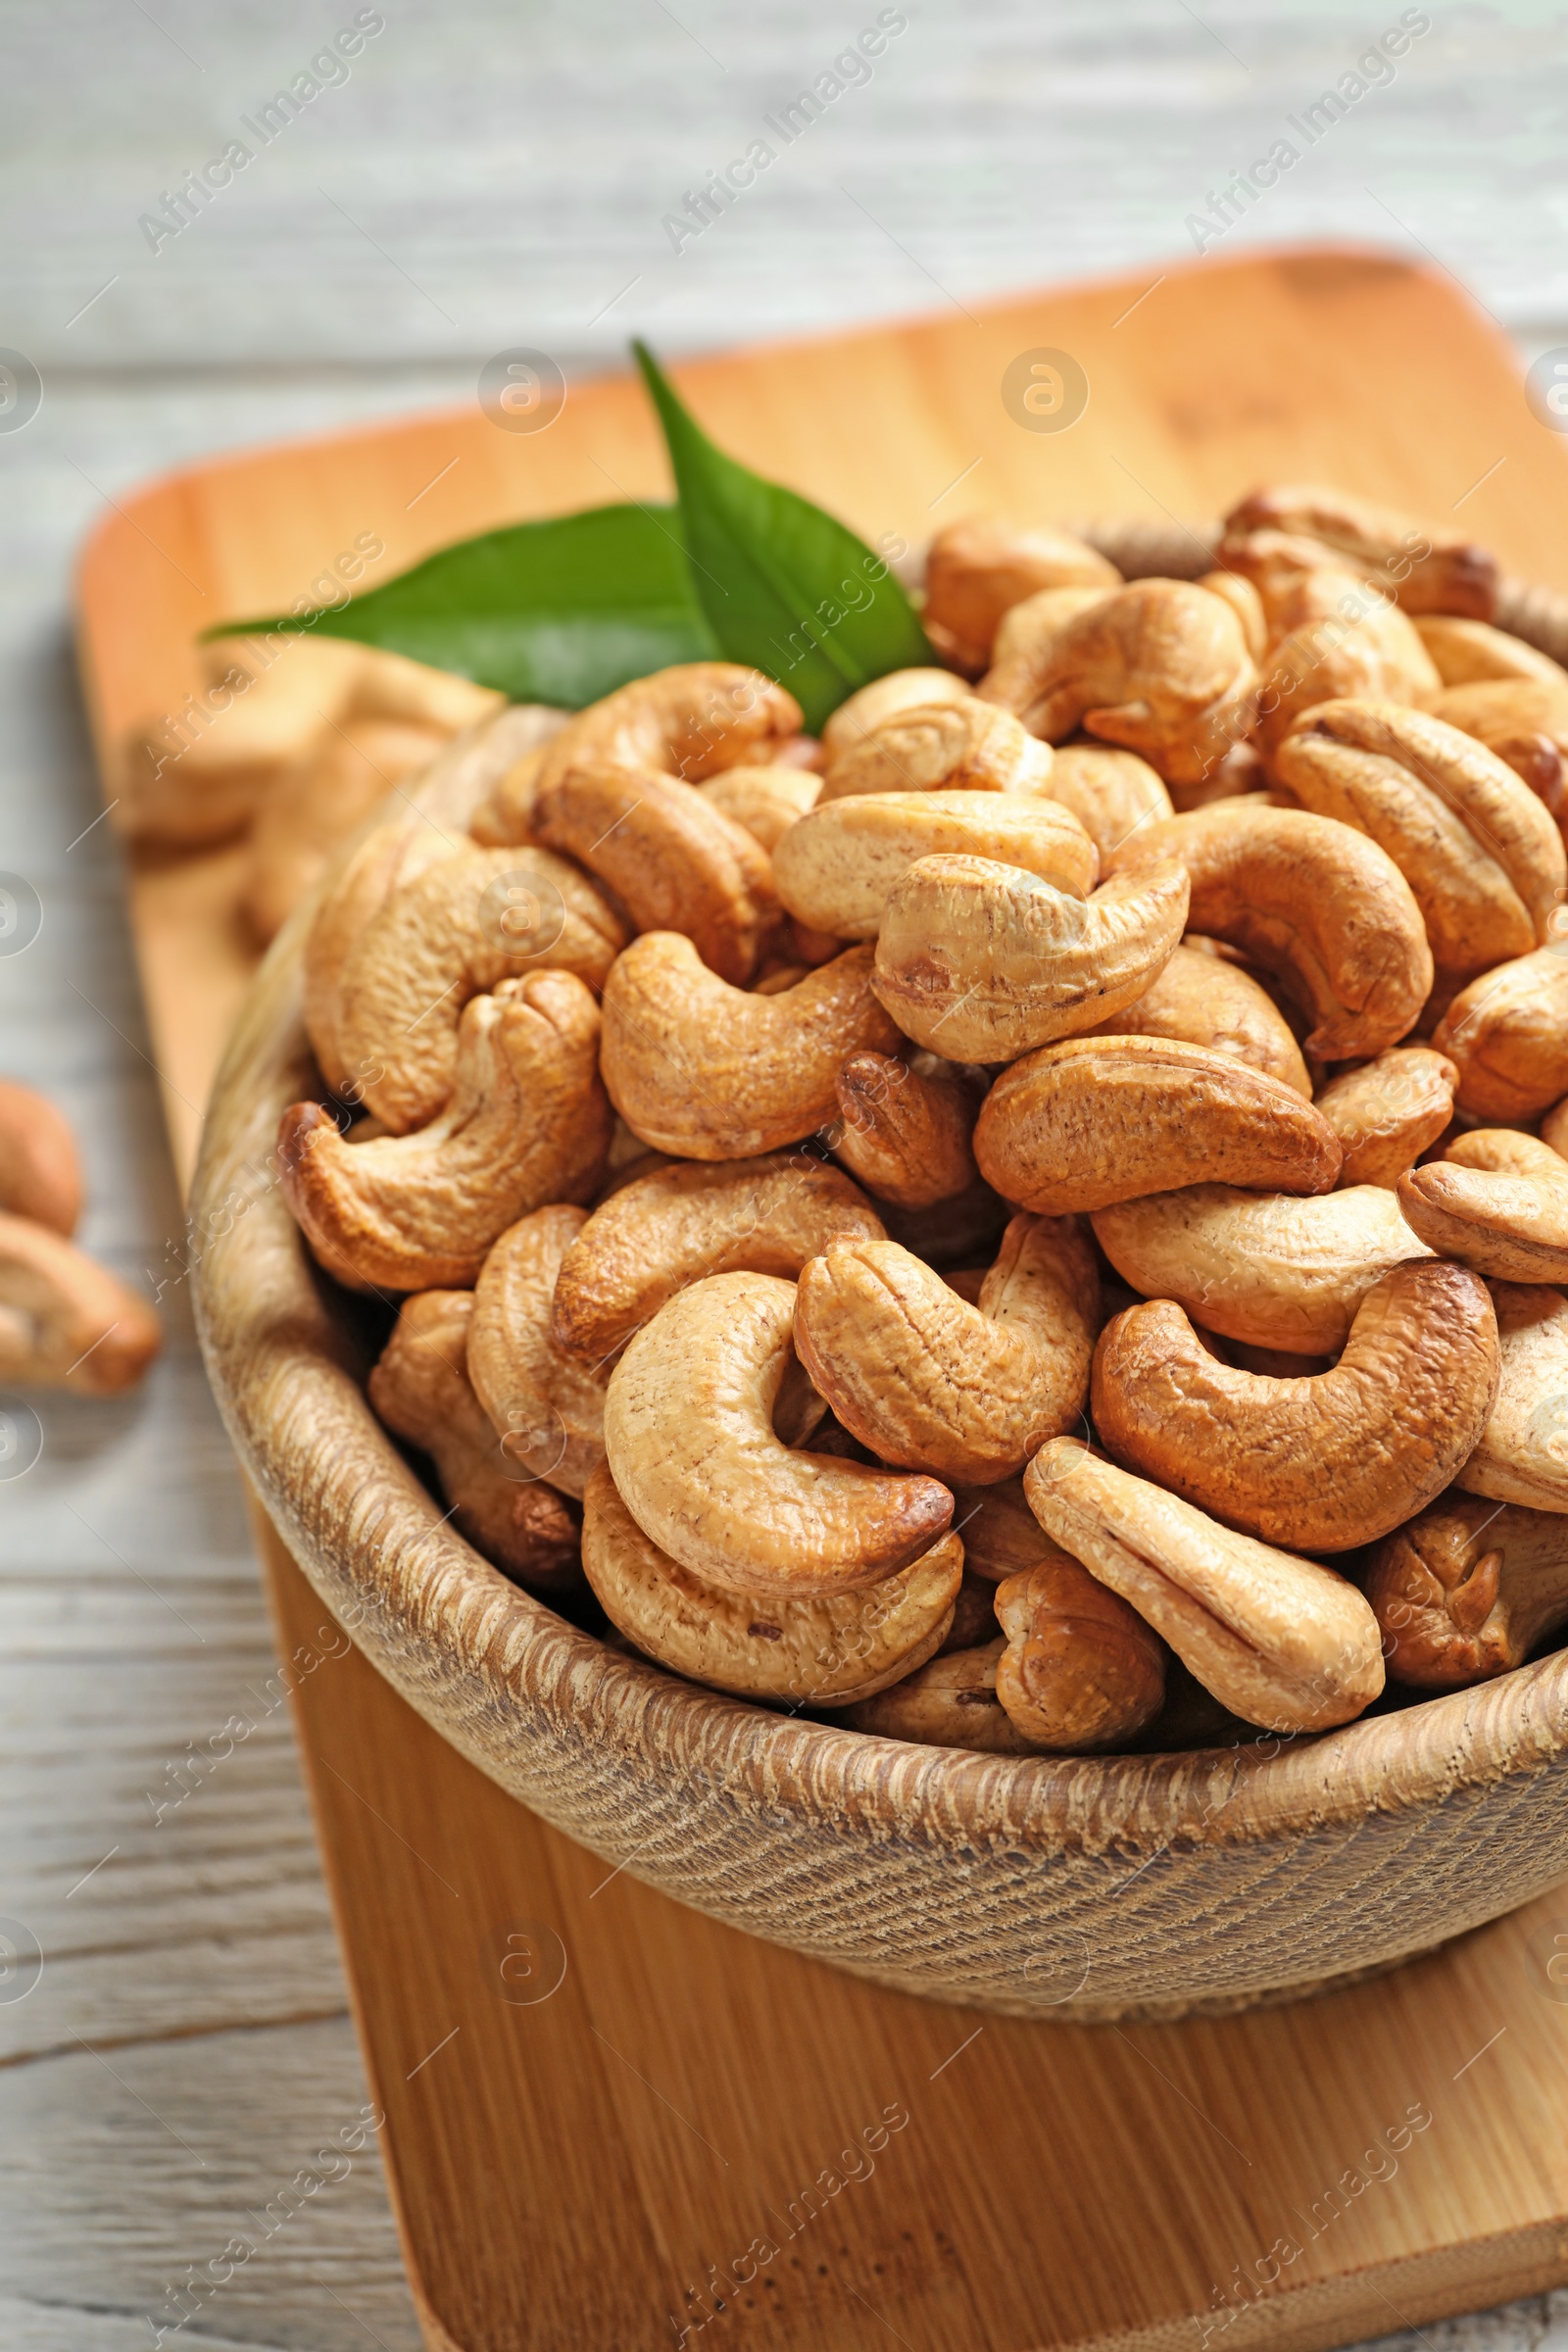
[(573, 2164)]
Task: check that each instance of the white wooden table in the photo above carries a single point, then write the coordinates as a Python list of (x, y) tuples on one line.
[(485, 177)]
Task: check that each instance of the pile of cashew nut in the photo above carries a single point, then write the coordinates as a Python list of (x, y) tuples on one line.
[(66, 1322), (1037, 1222)]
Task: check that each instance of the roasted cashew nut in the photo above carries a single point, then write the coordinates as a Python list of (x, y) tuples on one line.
[(1484, 860), (1095, 1120), (1507, 1034), (547, 1407), (1386, 1112), (1471, 651), (684, 1222), (1081, 1670), (1110, 792), (1467, 1592), (1000, 1533), (1310, 899), (420, 1389), (835, 869), (671, 857), (692, 721), (1206, 999), (904, 1134), (1297, 581), (821, 1654), (1365, 648), (1429, 571), (931, 1383), (1246, 603), (1524, 722), (66, 1322), (885, 698), (978, 569), (691, 1446), (1280, 1640), (40, 1173), (1159, 667), (766, 800), (1318, 1464), (708, 1071), (1498, 1201), (1522, 1455), (528, 1123), (455, 932), (1260, 1267), (942, 745), (981, 961), (952, 1703)]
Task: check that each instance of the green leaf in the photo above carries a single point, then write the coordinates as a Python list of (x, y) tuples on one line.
[(557, 611), (784, 586)]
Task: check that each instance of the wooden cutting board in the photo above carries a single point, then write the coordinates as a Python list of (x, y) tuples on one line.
[(611, 2121)]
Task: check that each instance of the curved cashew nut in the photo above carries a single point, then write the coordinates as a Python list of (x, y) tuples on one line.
[(1498, 1201), (941, 746), (1388, 1110), (981, 961), (820, 1654), (1295, 580), (547, 1408), (1204, 1000), (1310, 899), (1260, 1267), (836, 868), (66, 1322), (41, 1174), (685, 1222), (1471, 651), (1000, 1533), (1246, 603), (1429, 571), (1507, 1034), (906, 1136), (706, 1071), (690, 1441), (1467, 1590), (1096, 1120), (419, 1389), (931, 1383), (452, 933), (1484, 860), (766, 800), (1159, 667), (978, 569), (527, 1123), (1522, 1453), (1280, 1640), (1524, 722), (690, 720), (1314, 1464), (674, 859), (1081, 1670), (1110, 792), (952, 1703), (1365, 650), (884, 698)]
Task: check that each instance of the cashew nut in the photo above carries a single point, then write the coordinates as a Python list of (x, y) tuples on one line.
[(452, 933), (1386, 1112), (1306, 897), (685, 1222), (766, 800), (1468, 652), (1498, 1201), (942, 745), (1428, 571), (41, 1174), (883, 698), (420, 1389), (823, 1653), (691, 1444), (1280, 1640), (1246, 603), (982, 961), (672, 859), (1481, 855), (546, 1406), (1095, 1120), (1522, 1453), (1261, 1267), (1507, 1034), (835, 869), (931, 1383), (1317, 1464), (1467, 1592), (952, 1703), (1524, 722), (66, 1322), (1365, 648), (1295, 580), (1159, 667), (1206, 999), (978, 569), (1081, 1670), (1110, 792), (691, 720), (706, 1071), (906, 1136), (527, 1123), (1000, 1532)]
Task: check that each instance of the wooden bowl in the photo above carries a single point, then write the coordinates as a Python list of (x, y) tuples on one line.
[(1067, 1887)]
